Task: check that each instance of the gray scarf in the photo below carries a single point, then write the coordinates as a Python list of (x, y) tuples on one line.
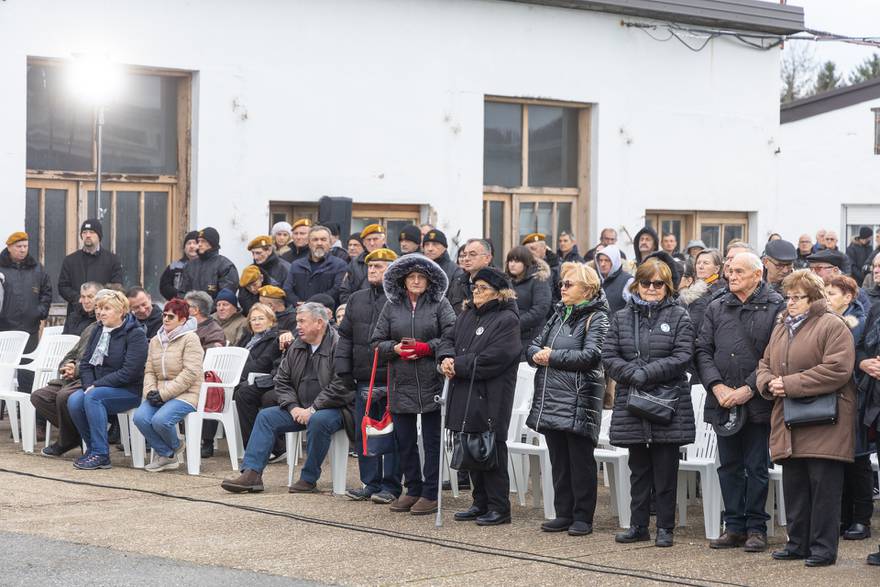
[(102, 347)]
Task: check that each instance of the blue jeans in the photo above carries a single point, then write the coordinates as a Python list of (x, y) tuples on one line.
[(380, 473), (89, 412), (159, 425), (274, 421), (745, 478)]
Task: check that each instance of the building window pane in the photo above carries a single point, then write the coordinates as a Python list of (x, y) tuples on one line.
[(496, 231), (55, 215), (32, 221), (59, 128), (127, 246), (710, 234), (732, 232), (502, 144), (553, 146), (155, 239), (140, 133), (528, 221), (545, 219), (393, 228), (563, 218)]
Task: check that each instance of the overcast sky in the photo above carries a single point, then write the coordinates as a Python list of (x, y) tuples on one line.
[(845, 17)]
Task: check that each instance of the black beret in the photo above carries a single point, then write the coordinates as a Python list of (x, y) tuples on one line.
[(493, 277)]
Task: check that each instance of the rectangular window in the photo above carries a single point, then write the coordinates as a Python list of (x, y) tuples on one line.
[(535, 170), (715, 229)]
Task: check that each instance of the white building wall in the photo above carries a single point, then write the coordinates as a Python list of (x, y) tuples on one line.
[(828, 161), (382, 101)]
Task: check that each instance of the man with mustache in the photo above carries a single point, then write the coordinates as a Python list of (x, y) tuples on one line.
[(320, 272)]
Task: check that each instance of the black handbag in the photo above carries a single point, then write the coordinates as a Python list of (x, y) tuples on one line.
[(473, 451), (658, 406), (810, 411)]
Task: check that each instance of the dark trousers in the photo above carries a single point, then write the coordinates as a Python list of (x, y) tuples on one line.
[(26, 378), (380, 473), (858, 487), (50, 402), (653, 466), (813, 489), (574, 475), (491, 489), (248, 402), (744, 474), (406, 437)]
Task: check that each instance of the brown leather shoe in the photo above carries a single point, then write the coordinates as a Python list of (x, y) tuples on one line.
[(756, 542), (248, 482), (302, 486), (728, 540), (404, 503), (424, 507)]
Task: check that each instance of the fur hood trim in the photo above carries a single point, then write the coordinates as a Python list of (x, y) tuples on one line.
[(393, 282), (697, 290)]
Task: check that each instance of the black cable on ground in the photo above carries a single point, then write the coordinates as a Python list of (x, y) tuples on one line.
[(440, 542)]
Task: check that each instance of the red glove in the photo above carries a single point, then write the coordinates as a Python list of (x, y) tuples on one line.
[(416, 351)]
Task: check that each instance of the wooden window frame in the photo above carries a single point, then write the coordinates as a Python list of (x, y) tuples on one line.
[(515, 195), (692, 222), (876, 112)]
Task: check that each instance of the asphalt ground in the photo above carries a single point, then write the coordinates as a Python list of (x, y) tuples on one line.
[(170, 522)]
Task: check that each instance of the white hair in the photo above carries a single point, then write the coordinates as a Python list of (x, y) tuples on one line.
[(315, 310), (752, 259)]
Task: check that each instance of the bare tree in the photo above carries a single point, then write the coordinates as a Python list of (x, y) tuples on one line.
[(798, 71)]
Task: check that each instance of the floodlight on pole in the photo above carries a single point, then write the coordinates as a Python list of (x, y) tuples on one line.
[(95, 80)]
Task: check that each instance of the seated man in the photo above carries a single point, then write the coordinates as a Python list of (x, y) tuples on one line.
[(311, 397)]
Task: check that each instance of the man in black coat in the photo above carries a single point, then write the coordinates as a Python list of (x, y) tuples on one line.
[(171, 282), (568, 249), (779, 257), (434, 246), (859, 251), (27, 293), (355, 278), (148, 314), (410, 239), (477, 255), (91, 263), (645, 242), (270, 264), (320, 272), (211, 271), (311, 397), (354, 364), (84, 312), (298, 247), (735, 330)]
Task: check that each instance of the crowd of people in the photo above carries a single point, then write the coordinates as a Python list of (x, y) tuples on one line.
[(785, 342)]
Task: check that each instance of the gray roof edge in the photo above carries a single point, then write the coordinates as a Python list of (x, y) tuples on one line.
[(830, 101), (745, 15)]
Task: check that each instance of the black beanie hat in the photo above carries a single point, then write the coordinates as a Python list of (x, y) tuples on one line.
[(435, 236), (411, 233), (493, 277), (356, 236), (211, 235), (192, 235), (93, 224)]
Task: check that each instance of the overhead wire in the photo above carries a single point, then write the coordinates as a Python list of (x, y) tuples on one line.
[(458, 545)]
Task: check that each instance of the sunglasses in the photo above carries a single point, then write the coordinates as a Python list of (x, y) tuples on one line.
[(169, 316), (566, 284), (647, 284)]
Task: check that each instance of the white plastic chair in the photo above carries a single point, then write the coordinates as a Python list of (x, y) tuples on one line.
[(52, 330), (338, 455), (537, 456), (701, 459), (227, 363), (12, 345), (617, 473), (775, 500)]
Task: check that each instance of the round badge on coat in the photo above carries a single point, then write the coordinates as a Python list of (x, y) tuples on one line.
[(480, 331), (664, 327)]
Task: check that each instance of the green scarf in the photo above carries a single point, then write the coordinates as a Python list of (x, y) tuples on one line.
[(569, 309)]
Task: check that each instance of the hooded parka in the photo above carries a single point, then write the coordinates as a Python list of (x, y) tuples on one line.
[(533, 299)]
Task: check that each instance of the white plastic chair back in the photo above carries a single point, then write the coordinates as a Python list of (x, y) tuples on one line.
[(525, 387), (50, 351), (698, 400), (12, 345), (706, 444), (52, 331), (227, 363)]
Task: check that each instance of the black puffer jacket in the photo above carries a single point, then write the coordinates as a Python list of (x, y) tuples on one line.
[(569, 391), (354, 354), (483, 339), (210, 272), (533, 298), (414, 383), (264, 356), (730, 343), (276, 268), (666, 342), (27, 293)]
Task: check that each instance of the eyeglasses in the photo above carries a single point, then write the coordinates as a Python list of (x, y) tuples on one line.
[(794, 299), (474, 255), (657, 284), (169, 316), (482, 288), (567, 284), (816, 268)]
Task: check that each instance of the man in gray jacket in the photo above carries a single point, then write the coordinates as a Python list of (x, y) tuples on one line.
[(311, 397)]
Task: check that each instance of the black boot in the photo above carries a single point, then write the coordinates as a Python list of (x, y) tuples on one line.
[(664, 537), (633, 534)]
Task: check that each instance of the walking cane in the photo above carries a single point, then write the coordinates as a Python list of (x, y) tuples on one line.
[(441, 399)]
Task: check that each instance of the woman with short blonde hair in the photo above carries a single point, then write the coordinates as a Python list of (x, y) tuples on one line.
[(113, 299)]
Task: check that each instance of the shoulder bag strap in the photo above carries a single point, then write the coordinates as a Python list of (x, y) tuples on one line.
[(467, 403), (372, 380)]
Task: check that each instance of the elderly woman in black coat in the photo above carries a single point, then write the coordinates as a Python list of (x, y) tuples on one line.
[(480, 359), (648, 350), (409, 334), (534, 295), (569, 386)]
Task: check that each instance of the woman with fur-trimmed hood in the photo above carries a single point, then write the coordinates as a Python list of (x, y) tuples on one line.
[(533, 288), (480, 358), (409, 335)]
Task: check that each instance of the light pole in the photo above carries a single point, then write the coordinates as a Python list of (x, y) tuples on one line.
[(95, 80)]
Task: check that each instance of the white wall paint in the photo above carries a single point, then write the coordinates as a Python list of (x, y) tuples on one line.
[(827, 160), (383, 101)]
